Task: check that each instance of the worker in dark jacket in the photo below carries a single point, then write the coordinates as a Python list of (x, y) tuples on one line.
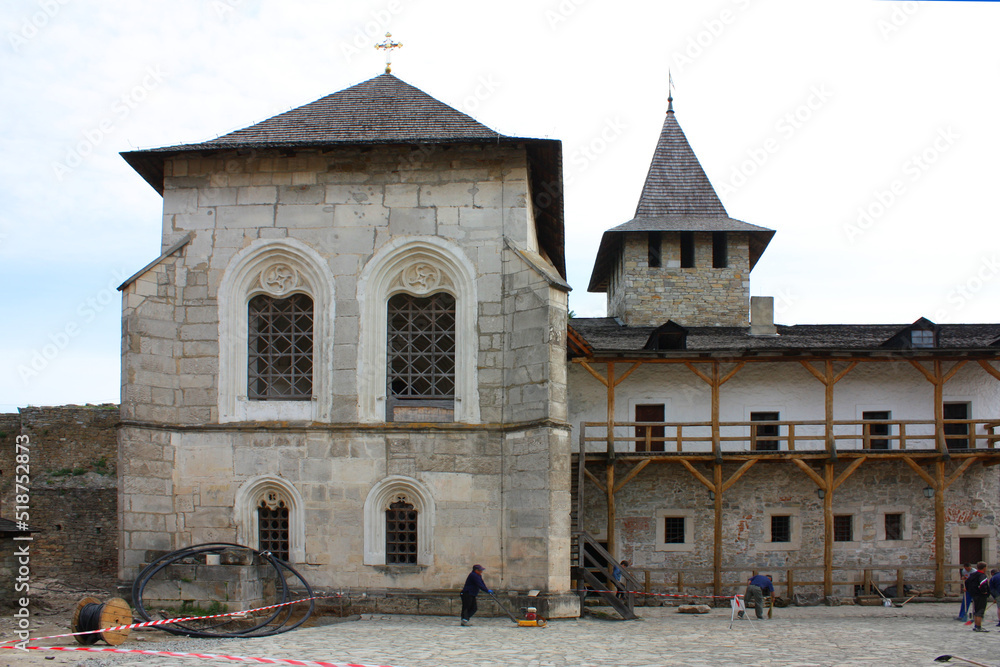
[(473, 584), (978, 586)]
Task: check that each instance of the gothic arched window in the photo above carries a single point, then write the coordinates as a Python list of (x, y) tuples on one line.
[(418, 356), (401, 533), (273, 524), (276, 315)]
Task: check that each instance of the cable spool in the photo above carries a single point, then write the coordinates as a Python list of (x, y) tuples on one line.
[(91, 615)]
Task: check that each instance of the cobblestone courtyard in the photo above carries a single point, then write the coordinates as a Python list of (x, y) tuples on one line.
[(848, 635)]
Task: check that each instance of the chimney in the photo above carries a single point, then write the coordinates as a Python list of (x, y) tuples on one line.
[(762, 316)]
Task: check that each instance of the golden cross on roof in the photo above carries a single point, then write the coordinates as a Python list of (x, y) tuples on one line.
[(388, 46)]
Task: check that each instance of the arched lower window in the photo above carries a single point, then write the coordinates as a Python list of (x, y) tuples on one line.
[(399, 523), (273, 525), (280, 348), (401, 532), (269, 516)]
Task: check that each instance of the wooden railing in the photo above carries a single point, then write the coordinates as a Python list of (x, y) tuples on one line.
[(791, 436), (698, 582)]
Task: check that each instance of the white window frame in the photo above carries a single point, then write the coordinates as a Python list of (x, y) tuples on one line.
[(248, 497), (377, 502), (688, 516), (443, 267), (245, 277)]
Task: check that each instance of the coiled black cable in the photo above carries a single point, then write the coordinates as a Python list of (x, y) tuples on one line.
[(274, 624)]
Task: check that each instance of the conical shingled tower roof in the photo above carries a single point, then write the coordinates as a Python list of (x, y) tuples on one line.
[(676, 184), (676, 197)]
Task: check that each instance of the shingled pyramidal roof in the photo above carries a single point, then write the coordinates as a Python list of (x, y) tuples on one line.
[(676, 184), (381, 110), (676, 197), (384, 109)]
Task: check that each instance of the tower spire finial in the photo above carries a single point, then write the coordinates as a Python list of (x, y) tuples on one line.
[(388, 46), (670, 92)]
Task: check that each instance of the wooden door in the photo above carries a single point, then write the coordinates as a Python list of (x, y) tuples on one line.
[(649, 438)]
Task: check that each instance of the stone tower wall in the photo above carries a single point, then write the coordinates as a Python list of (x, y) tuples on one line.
[(641, 295)]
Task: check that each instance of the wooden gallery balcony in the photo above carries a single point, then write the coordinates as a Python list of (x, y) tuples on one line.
[(938, 451)]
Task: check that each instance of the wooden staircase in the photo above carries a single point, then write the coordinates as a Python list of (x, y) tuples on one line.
[(593, 570)]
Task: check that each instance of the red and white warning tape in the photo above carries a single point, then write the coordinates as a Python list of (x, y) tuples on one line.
[(168, 621), (201, 656)]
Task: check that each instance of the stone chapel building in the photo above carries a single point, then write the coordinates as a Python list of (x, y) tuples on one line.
[(356, 335), (353, 351)]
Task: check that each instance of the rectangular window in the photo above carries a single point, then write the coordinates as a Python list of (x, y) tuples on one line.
[(720, 250), (764, 437), (654, 249), (957, 411), (893, 526), (401, 534), (272, 529), (280, 348), (874, 432), (687, 250), (781, 528), (421, 356), (921, 338), (843, 528), (673, 530)]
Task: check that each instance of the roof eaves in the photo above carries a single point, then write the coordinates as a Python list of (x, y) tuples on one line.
[(166, 253)]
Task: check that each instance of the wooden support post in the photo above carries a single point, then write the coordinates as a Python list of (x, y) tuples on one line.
[(790, 580), (939, 558), (828, 530), (717, 551), (611, 409), (939, 409), (610, 489), (716, 429), (680, 583)]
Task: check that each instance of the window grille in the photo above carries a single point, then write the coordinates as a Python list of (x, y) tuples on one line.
[(673, 530), (280, 346), (781, 528), (893, 526), (421, 347), (401, 533), (272, 528), (843, 528)]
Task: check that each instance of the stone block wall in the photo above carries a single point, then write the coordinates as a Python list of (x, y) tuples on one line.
[(73, 497), (770, 488), (700, 296)]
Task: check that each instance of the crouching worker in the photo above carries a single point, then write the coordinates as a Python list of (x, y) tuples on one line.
[(473, 584), (756, 588)]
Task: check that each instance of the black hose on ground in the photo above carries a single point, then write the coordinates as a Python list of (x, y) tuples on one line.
[(274, 624)]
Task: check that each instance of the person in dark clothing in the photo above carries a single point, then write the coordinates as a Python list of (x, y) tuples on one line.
[(995, 591), (756, 587), (978, 586), (473, 584)]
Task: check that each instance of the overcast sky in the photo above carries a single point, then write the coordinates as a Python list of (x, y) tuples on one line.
[(863, 131)]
